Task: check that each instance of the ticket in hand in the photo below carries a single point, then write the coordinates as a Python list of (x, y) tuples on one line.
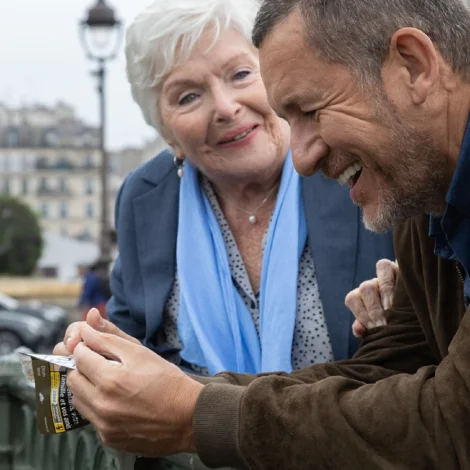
[(54, 409)]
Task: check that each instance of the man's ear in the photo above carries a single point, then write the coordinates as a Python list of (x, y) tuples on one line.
[(413, 61)]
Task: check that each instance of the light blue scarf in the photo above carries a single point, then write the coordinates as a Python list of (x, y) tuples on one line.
[(215, 326)]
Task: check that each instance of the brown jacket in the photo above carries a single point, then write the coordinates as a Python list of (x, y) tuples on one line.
[(402, 402)]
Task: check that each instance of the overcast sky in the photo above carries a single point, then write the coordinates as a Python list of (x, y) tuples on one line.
[(42, 62)]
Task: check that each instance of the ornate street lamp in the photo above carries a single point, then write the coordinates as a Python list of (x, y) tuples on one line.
[(101, 35)]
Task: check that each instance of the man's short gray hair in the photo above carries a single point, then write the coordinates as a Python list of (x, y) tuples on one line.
[(357, 33), (165, 33)]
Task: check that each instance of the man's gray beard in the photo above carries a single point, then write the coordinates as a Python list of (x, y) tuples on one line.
[(417, 174), (420, 192)]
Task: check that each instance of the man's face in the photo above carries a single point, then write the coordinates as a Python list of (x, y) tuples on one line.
[(350, 132)]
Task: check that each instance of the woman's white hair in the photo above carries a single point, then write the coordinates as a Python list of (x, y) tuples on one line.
[(164, 35)]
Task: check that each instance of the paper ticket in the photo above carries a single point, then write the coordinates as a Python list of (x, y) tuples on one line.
[(54, 409)]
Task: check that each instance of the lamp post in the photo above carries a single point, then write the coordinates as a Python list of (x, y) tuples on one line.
[(101, 34)]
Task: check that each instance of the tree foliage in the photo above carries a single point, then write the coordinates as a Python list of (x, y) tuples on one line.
[(20, 238)]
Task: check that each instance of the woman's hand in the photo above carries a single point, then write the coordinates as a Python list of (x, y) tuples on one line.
[(73, 334), (369, 301)]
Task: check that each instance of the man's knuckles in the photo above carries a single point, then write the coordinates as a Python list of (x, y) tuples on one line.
[(60, 350)]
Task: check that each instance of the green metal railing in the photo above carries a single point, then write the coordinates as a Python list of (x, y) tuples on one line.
[(22, 447)]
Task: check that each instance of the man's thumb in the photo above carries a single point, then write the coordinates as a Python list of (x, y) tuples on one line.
[(97, 322)]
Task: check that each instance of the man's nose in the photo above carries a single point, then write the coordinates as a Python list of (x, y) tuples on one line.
[(308, 153)]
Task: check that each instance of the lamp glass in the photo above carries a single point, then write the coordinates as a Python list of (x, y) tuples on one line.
[(101, 41)]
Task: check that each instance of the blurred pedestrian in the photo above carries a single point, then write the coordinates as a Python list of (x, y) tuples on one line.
[(96, 291)]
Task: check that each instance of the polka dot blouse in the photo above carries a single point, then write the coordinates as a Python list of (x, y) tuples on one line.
[(311, 342)]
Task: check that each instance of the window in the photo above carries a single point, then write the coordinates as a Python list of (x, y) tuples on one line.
[(12, 137), (64, 232), (63, 210), (62, 185), (5, 163), (42, 163), (15, 163), (29, 162), (44, 210), (89, 163), (6, 187), (24, 186), (51, 139), (42, 184), (89, 210), (24, 163), (89, 186), (63, 164)]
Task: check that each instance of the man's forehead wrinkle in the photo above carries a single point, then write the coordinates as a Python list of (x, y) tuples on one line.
[(278, 90), (280, 64)]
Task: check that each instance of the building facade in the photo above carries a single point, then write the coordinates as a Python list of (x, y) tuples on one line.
[(128, 159), (51, 159)]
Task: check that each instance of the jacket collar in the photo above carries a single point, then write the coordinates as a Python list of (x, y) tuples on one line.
[(159, 168)]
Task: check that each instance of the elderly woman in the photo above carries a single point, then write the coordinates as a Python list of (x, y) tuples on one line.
[(228, 259)]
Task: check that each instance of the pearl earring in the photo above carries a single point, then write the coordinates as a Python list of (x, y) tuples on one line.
[(179, 163)]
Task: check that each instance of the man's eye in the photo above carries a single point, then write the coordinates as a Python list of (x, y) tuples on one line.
[(309, 113), (187, 99), (241, 75)]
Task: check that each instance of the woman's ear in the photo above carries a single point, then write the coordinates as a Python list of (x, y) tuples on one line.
[(177, 152)]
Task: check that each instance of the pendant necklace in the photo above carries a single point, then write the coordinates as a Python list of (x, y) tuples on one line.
[(252, 214)]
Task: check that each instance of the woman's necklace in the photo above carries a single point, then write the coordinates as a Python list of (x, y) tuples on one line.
[(251, 213)]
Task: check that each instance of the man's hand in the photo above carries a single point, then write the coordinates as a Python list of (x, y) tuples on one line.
[(144, 405), (369, 301), (73, 334)]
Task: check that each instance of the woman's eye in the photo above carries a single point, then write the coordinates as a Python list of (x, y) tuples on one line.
[(187, 99), (241, 75)]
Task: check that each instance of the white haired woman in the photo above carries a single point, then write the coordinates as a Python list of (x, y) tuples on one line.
[(228, 259)]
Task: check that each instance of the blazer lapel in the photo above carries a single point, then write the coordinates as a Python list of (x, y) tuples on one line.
[(156, 222), (332, 222)]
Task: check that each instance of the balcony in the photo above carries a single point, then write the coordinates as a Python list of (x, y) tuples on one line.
[(45, 191), (64, 165)]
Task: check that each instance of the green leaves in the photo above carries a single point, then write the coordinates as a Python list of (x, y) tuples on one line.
[(20, 237)]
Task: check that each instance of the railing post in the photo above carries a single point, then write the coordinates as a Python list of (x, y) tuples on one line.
[(6, 455), (8, 372)]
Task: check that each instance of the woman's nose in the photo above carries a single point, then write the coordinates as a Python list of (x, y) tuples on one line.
[(226, 106)]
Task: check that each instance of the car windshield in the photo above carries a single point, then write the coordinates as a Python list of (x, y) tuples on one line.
[(8, 302)]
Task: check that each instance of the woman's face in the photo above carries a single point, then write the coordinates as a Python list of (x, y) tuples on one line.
[(215, 111)]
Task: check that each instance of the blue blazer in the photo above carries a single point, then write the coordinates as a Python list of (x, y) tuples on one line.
[(344, 252)]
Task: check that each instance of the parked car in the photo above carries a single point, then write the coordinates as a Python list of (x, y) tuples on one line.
[(17, 329), (34, 325)]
